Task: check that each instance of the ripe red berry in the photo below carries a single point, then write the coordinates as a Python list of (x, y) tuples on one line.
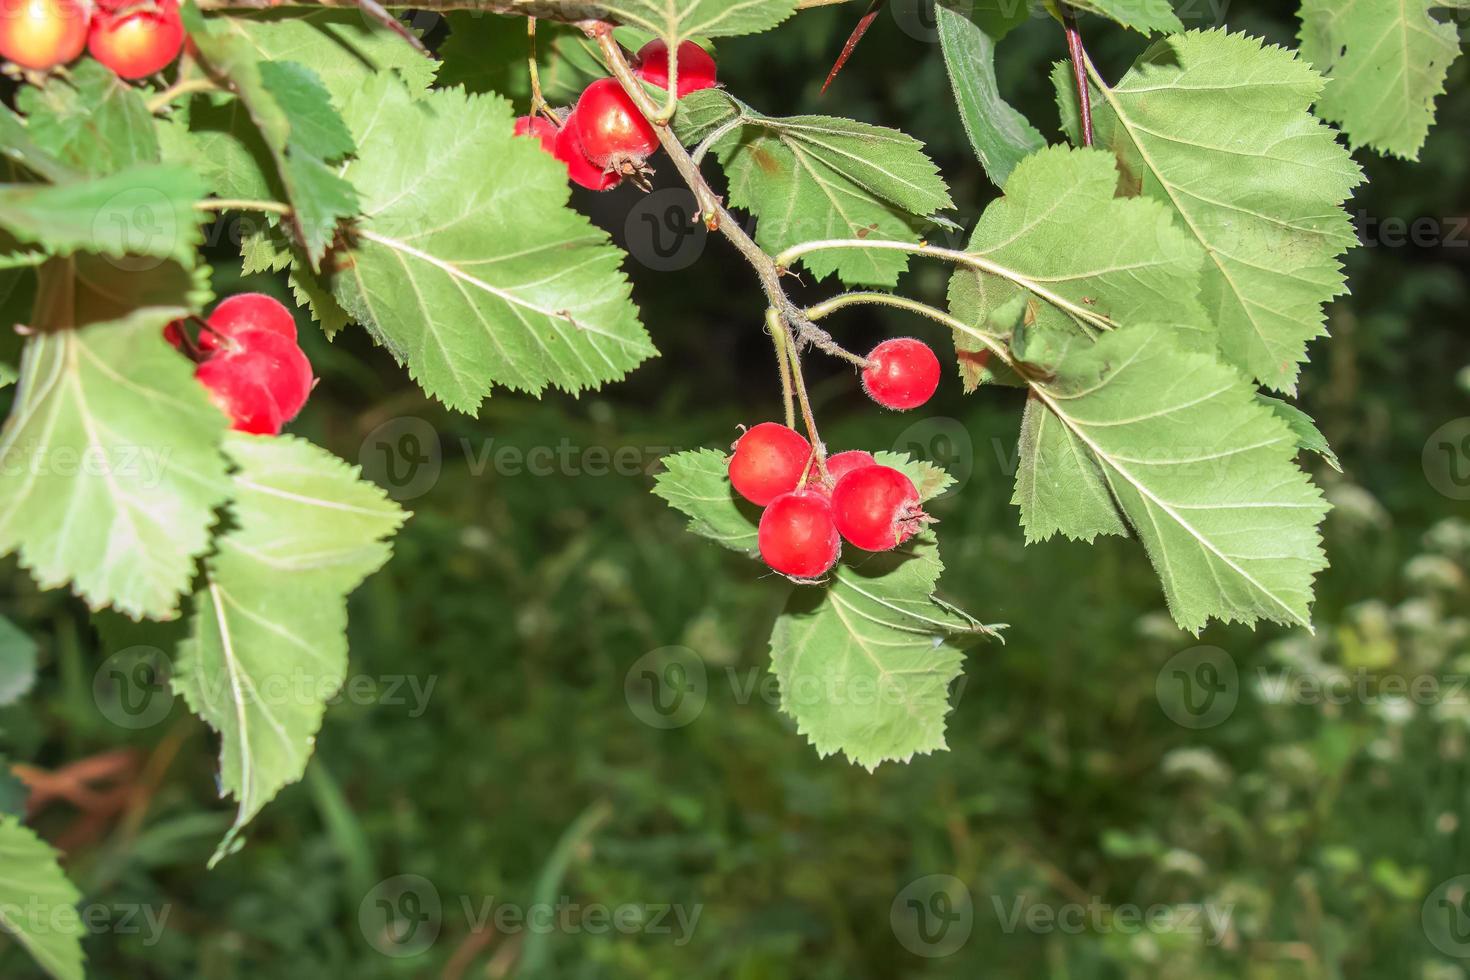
[(798, 536), (244, 312), (696, 67), (877, 508), (541, 128), (768, 461), (612, 131), (902, 373), (841, 464), (568, 149), (261, 384), (137, 40), (41, 34)]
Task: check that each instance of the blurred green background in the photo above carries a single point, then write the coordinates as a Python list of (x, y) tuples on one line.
[(496, 739)]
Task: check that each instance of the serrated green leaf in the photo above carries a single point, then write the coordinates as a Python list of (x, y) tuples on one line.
[(142, 211), (268, 643), (1147, 16), (680, 20), (814, 177), (266, 250), (1177, 444), (109, 465), (1255, 178), (929, 479), (697, 483), (19, 149), (17, 662), (1000, 135), (38, 903), (293, 111), (7, 375), (1387, 63), (1062, 240), (865, 663), (1308, 436), (90, 119), (467, 265)]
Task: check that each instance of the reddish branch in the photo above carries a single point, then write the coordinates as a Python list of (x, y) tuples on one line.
[(1079, 70)]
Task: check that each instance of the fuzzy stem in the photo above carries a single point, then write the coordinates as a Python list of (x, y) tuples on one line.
[(241, 204), (778, 337)]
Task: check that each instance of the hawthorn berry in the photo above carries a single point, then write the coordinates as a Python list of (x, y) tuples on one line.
[(768, 461), (841, 464), (583, 172), (248, 311), (798, 536), (877, 508), (137, 39), (902, 373), (613, 133), (261, 383), (539, 127), (696, 67), (42, 34)]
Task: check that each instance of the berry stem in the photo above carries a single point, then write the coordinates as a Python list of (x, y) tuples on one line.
[(778, 337), (808, 417), (1079, 69), (539, 105), (826, 308), (184, 86), (241, 204)]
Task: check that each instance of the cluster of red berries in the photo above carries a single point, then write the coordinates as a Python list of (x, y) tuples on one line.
[(604, 138), (135, 38), (249, 362), (810, 509)]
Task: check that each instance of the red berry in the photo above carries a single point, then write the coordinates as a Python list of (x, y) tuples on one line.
[(612, 131), (41, 34), (541, 128), (582, 171), (798, 536), (768, 461), (261, 384), (903, 373), (877, 508), (696, 67), (247, 311), (841, 464), (137, 40)]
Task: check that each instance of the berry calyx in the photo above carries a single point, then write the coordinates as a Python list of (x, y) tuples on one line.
[(696, 67), (136, 40), (539, 127), (798, 536), (902, 373), (877, 508), (568, 149), (42, 34), (841, 464), (612, 131), (768, 461)]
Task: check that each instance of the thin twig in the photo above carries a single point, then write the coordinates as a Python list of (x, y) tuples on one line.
[(241, 204), (778, 337), (1079, 69), (182, 87)]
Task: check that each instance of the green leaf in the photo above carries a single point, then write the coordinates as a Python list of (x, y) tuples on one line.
[(1062, 243), (865, 664), (1000, 135), (7, 375), (1308, 436), (17, 662), (1387, 63), (90, 119), (109, 465), (17, 147), (1177, 445), (680, 20), (293, 110), (13, 792), (38, 903), (268, 642), (1254, 177), (82, 290), (930, 480), (468, 266), (145, 210), (697, 483), (1147, 16), (814, 177)]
